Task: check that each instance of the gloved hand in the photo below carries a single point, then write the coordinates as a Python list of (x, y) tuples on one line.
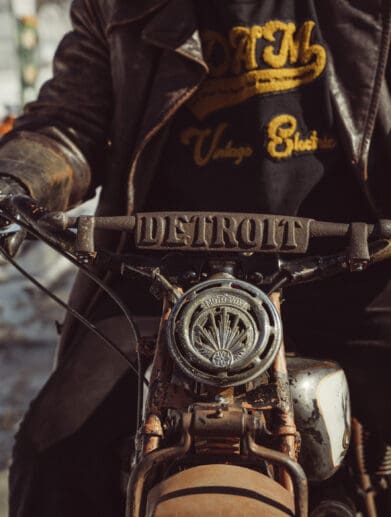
[(9, 186)]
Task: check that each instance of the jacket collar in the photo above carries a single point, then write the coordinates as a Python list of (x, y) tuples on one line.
[(358, 41), (128, 11), (172, 25)]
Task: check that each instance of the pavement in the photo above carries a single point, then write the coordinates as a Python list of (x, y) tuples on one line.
[(27, 341), (24, 368)]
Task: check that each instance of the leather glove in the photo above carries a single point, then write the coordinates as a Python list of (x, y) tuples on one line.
[(10, 186)]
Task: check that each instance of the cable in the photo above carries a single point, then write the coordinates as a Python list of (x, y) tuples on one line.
[(74, 313), (281, 279), (88, 273)]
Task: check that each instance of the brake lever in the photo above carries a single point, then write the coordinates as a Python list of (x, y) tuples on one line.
[(28, 211)]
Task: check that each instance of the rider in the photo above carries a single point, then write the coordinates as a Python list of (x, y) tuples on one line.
[(258, 106)]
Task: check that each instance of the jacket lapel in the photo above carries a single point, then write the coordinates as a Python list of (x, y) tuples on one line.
[(358, 40), (181, 67), (127, 11), (180, 70)]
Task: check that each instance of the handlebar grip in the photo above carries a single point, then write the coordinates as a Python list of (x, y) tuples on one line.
[(27, 212), (383, 228)]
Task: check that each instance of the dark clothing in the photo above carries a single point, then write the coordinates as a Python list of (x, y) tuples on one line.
[(120, 78), (259, 134)]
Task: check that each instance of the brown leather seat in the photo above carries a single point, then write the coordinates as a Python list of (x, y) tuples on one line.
[(219, 491)]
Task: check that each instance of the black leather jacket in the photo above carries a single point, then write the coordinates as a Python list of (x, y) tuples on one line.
[(130, 64)]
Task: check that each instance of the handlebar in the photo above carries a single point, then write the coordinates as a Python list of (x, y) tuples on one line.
[(239, 233)]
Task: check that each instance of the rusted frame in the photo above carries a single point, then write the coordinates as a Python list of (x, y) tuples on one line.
[(153, 460), (296, 473), (291, 476), (365, 482), (284, 423)]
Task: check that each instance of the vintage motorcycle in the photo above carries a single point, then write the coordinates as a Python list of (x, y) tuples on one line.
[(228, 422)]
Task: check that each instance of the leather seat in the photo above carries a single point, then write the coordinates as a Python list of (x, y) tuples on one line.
[(219, 491)]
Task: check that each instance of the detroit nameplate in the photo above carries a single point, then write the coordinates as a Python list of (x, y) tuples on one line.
[(192, 231)]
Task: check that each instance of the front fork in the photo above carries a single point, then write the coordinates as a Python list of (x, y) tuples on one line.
[(232, 421)]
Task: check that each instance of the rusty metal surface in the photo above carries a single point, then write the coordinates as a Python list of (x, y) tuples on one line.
[(365, 483), (218, 428), (296, 473), (263, 397), (152, 432), (218, 421), (219, 490), (168, 395), (139, 475), (284, 424), (161, 366), (222, 232)]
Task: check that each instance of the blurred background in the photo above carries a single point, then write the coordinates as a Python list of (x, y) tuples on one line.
[(30, 31)]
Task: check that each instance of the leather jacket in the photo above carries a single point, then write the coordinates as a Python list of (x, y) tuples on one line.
[(125, 70), (130, 64)]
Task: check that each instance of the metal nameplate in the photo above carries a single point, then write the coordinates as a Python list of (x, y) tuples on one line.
[(223, 232)]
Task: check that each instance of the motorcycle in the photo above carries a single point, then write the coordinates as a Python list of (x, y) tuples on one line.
[(229, 423)]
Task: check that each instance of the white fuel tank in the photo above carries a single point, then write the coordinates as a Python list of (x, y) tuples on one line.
[(322, 412)]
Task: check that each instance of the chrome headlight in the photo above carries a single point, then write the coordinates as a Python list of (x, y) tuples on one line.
[(224, 332)]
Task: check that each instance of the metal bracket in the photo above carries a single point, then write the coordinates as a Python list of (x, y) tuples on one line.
[(358, 252)]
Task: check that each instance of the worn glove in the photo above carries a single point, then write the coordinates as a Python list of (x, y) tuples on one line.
[(10, 186)]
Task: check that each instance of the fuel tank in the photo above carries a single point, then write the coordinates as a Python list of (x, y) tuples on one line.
[(322, 412)]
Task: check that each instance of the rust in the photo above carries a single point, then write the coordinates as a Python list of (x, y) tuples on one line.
[(141, 471), (152, 432), (167, 395), (285, 426), (217, 445), (219, 421), (153, 426), (286, 430), (364, 478), (218, 428), (264, 397), (161, 366), (287, 464), (227, 394)]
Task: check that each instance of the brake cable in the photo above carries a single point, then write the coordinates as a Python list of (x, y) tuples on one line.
[(89, 274)]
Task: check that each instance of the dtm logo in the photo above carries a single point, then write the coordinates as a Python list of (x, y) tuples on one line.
[(261, 59)]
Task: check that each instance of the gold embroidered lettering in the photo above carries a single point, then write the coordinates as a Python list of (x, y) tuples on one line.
[(244, 40), (284, 140), (200, 136), (291, 60), (289, 44), (279, 132), (208, 146), (327, 143)]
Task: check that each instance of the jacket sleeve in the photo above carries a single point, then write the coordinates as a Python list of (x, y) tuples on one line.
[(58, 145)]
